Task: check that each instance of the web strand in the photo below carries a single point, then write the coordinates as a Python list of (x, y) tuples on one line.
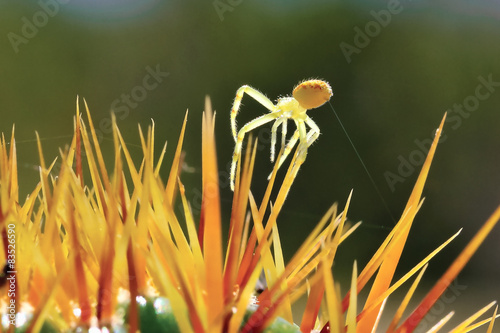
[(364, 165)]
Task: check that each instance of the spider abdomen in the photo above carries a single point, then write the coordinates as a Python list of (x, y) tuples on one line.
[(312, 93)]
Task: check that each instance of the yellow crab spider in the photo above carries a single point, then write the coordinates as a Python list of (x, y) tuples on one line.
[(306, 95)]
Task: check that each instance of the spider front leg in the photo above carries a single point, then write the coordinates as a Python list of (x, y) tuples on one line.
[(241, 135), (255, 94)]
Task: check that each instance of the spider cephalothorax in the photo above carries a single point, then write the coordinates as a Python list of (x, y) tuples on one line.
[(306, 95)]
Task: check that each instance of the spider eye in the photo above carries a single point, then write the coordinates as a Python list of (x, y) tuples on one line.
[(312, 93)]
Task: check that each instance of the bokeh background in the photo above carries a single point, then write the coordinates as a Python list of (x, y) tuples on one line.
[(395, 68)]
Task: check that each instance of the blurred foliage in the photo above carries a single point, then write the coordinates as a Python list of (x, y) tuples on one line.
[(393, 92)]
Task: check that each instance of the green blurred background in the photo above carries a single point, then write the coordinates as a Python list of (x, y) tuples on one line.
[(392, 83)]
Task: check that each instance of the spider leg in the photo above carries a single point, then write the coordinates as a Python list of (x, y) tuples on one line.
[(283, 132), (255, 94), (274, 130), (303, 141), (241, 135), (313, 133), (288, 149)]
